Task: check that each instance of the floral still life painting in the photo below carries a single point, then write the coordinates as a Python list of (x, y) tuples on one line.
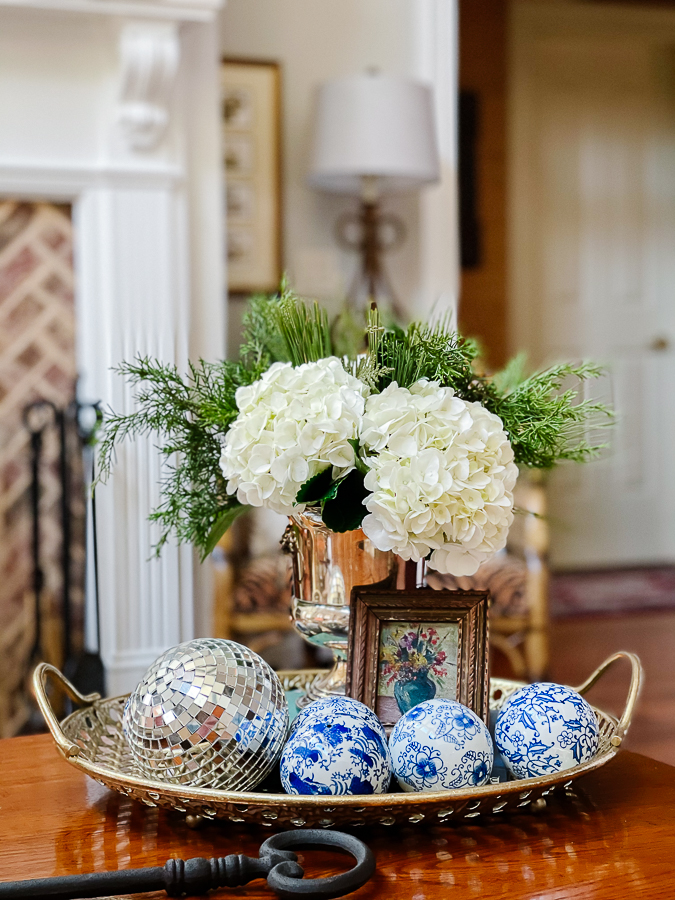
[(417, 662)]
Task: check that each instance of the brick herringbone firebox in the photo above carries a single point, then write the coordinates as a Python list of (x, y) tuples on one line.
[(37, 362)]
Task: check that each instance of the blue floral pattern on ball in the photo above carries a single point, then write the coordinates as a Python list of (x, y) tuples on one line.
[(440, 744), (546, 728), (336, 754), (337, 706)]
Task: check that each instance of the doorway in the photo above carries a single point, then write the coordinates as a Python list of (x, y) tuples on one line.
[(592, 256)]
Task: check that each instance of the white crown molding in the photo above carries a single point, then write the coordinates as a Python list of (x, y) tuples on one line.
[(149, 57), (54, 179), (182, 11)]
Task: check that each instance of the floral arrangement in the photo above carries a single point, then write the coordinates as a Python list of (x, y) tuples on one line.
[(408, 653), (401, 436)]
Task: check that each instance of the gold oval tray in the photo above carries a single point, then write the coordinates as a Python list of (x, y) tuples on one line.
[(92, 740)]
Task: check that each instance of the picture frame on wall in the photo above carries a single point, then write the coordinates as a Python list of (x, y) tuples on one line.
[(251, 123), (409, 646)]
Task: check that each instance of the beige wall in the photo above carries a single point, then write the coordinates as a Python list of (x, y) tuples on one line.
[(315, 40)]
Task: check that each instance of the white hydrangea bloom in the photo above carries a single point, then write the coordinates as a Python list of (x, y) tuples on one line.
[(441, 476), (292, 424)]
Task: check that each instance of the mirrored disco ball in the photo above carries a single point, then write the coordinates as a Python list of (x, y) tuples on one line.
[(208, 712)]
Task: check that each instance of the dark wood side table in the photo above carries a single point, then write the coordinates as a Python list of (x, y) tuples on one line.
[(613, 837)]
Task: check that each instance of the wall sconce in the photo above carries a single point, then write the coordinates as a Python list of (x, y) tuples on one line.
[(374, 135)]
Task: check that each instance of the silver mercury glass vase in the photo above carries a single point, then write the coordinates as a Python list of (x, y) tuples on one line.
[(326, 566)]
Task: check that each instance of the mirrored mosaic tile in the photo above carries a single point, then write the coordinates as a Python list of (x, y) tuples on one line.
[(208, 712)]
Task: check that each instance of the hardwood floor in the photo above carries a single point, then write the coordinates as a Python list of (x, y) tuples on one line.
[(578, 646)]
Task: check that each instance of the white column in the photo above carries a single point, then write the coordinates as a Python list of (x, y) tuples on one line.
[(199, 99), (150, 277), (199, 86), (437, 63), (131, 253)]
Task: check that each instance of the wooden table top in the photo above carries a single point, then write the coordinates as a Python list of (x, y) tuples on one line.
[(613, 837)]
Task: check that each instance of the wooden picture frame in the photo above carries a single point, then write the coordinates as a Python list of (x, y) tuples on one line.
[(380, 627), (251, 125)]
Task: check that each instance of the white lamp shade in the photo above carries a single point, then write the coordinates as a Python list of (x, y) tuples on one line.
[(374, 125)]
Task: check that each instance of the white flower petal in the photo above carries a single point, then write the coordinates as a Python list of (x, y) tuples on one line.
[(292, 423), (441, 476)]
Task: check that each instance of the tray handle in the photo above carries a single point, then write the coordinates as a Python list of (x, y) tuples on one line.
[(40, 675), (633, 690)]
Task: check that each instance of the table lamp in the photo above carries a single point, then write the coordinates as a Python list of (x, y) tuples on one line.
[(374, 135)]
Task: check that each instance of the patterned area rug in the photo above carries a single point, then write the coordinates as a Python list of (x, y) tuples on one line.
[(612, 591)]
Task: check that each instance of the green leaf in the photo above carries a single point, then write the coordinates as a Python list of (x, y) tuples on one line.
[(223, 522), (319, 487), (358, 462), (346, 512)]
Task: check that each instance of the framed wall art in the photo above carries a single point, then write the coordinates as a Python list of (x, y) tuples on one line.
[(409, 646), (251, 122)]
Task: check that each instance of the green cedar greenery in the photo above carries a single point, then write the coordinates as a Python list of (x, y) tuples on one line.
[(304, 329), (423, 350), (285, 329), (545, 423), (189, 415)]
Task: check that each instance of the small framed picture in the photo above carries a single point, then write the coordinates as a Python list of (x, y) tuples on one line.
[(251, 122), (409, 646)]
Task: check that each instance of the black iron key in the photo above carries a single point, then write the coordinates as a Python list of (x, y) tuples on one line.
[(275, 861)]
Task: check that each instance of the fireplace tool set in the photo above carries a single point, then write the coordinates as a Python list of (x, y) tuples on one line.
[(75, 426)]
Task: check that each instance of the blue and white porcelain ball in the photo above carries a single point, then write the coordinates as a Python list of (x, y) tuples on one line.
[(337, 706), (440, 744), (545, 728), (336, 754)]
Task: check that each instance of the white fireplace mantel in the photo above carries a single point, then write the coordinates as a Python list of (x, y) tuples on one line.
[(113, 106), (182, 11)]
